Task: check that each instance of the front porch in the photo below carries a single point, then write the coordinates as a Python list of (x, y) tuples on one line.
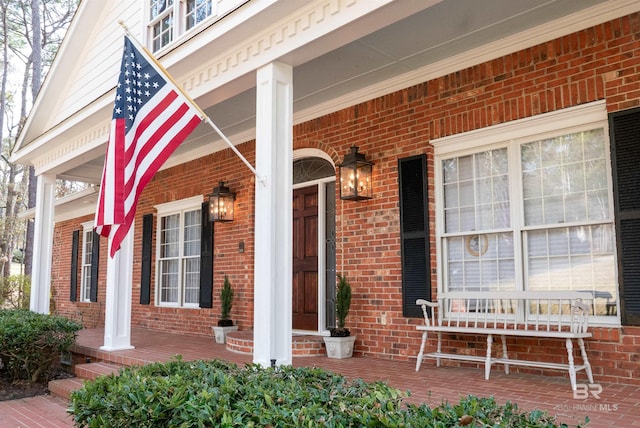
[(617, 405)]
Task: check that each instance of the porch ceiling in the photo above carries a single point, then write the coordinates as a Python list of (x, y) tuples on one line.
[(334, 71)]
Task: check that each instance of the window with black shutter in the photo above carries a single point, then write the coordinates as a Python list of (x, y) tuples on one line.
[(95, 259), (145, 275), (624, 128), (206, 258), (414, 233), (75, 249), (179, 232)]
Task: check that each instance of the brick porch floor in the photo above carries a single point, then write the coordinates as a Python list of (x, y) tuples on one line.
[(617, 406)]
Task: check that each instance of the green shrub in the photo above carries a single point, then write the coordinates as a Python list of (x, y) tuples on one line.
[(31, 343), (220, 394), (226, 299)]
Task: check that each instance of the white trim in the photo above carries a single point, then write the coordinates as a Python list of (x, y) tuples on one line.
[(510, 135), (43, 233), (117, 310), (312, 153), (179, 207), (561, 27), (85, 292), (101, 106), (182, 204), (273, 242), (80, 203), (87, 225), (560, 120)]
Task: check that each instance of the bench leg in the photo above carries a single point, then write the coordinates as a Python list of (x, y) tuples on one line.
[(505, 355), (439, 348), (572, 367), (587, 365), (421, 353), (487, 364)]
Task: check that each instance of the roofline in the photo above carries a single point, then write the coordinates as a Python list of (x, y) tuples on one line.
[(71, 200), (67, 44)]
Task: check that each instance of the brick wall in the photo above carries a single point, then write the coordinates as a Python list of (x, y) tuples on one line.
[(90, 314), (594, 64)]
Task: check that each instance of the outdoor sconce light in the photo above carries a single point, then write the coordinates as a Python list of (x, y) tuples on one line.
[(355, 177), (221, 203)]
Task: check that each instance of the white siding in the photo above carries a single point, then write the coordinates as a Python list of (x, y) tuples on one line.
[(98, 65)]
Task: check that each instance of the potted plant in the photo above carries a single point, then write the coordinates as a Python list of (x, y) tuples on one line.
[(225, 324), (340, 342)]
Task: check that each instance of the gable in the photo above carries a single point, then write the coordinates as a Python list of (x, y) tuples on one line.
[(86, 65)]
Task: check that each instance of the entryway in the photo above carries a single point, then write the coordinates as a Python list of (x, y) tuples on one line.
[(313, 243)]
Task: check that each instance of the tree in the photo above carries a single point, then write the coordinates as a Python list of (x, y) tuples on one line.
[(33, 31)]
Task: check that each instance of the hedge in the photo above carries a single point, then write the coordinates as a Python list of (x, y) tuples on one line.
[(31, 343), (221, 394)]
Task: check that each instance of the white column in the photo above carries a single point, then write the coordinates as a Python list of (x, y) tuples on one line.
[(117, 317), (42, 244), (273, 216)]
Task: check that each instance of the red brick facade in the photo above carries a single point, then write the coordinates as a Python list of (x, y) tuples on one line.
[(600, 63)]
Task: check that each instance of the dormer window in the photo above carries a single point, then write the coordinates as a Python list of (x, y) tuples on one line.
[(197, 11), (168, 20), (161, 23)]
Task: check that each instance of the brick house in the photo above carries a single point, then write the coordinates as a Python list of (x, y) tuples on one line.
[(503, 137)]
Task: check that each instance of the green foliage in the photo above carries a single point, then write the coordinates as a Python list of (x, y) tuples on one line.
[(18, 255), (226, 299), (15, 291), (220, 394), (343, 300), (31, 343)]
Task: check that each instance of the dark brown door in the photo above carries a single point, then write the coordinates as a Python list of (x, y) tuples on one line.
[(305, 258)]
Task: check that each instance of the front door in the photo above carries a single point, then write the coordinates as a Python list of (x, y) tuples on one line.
[(305, 258)]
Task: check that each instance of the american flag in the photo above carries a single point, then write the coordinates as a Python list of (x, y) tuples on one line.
[(151, 117)]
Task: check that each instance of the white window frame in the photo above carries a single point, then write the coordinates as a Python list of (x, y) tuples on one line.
[(86, 262), (163, 210), (179, 30), (169, 11), (511, 135)]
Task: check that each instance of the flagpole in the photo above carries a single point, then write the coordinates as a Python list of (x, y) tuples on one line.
[(203, 115)]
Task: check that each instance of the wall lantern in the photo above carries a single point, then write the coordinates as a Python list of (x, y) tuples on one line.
[(355, 177), (221, 203)]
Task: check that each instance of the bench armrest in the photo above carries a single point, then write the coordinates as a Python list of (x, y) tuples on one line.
[(582, 306), (421, 302), (428, 321), (580, 316)]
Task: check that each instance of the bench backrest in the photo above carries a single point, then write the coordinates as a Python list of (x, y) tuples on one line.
[(535, 310)]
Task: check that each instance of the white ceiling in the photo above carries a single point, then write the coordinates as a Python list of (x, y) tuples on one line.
[(441, 31)]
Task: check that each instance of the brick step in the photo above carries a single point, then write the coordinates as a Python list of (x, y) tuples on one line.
[(88, 371), (64, 387), (301, 345), (93, 370)]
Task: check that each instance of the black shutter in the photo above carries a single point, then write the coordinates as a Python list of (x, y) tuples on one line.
[(145, 269), (206, 259), (414, 233), (75, 246), (95, 262), (624, 128)]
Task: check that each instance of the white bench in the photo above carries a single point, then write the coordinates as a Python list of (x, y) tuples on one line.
[(542, 314)]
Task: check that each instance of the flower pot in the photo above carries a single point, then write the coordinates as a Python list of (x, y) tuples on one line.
[(220, 333), (339, 347)]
